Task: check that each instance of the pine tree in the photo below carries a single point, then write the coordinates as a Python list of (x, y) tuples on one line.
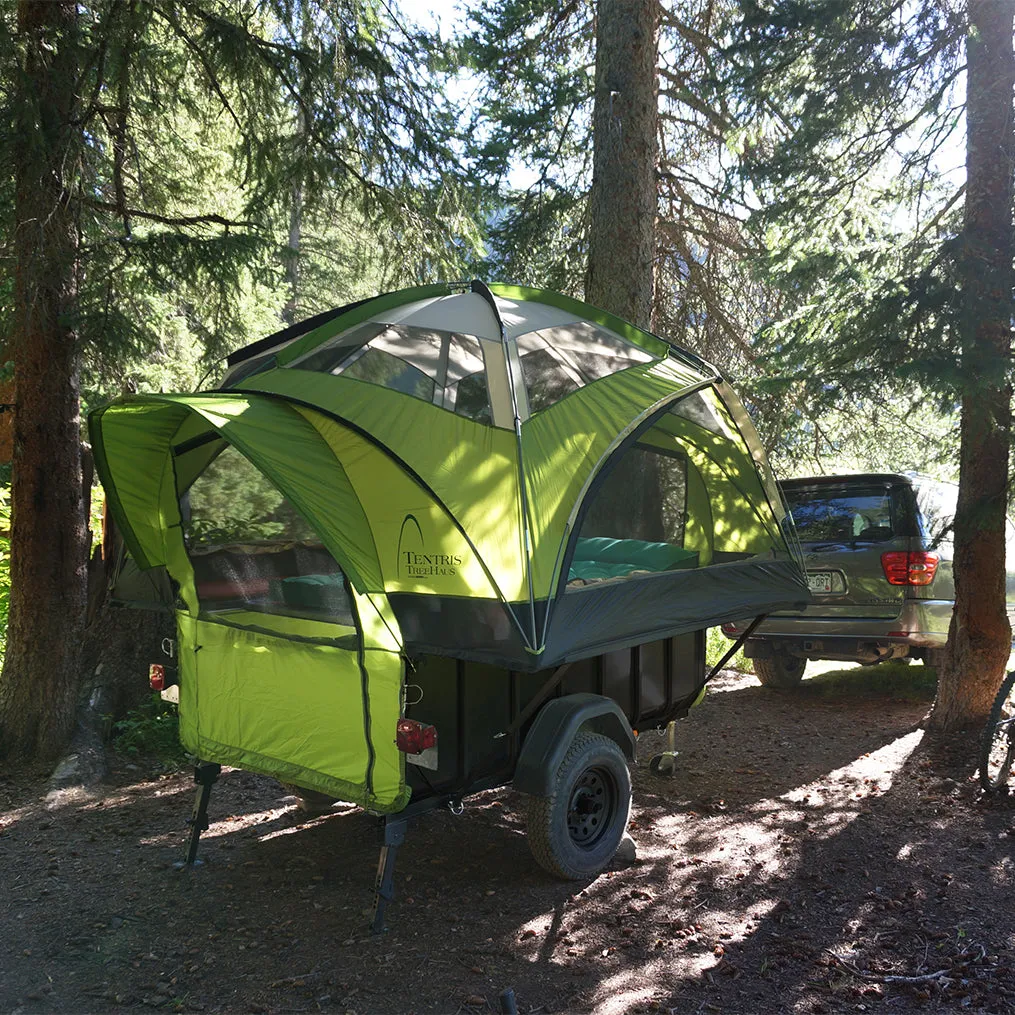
[(979, 638), (847, 109), (623, 198), (156, 146), (539, 65), (48, 550)]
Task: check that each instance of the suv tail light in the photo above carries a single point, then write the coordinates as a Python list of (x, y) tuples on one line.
[(914, 568)]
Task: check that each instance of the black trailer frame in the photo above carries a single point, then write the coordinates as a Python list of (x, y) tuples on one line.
[(498, 726)]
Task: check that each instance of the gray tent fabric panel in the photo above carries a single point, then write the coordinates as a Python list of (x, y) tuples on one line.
[(633, 611), (636, 610), (479, 630)]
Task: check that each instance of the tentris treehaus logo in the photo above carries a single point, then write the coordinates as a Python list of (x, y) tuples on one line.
[(413, 559)]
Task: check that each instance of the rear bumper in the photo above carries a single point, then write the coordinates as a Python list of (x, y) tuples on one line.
[(921, 624)]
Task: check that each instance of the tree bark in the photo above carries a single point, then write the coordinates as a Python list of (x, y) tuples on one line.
[(291, 310), (979, 640), (39, 682), (623, 199), (292, 253)]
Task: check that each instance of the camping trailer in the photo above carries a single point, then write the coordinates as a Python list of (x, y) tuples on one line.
[(445, 539)]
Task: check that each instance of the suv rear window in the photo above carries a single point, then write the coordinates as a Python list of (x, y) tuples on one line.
[(844, 514)]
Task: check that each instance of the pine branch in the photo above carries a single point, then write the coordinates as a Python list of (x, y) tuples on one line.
[(213, 80), (168, 220)]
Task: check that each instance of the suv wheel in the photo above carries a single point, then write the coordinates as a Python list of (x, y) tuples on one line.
[(780, 670)]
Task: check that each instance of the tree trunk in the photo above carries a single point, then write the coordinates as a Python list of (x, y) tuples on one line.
[(291, 310), (292, 254), (623, 199), (979, 640), (39, 682)]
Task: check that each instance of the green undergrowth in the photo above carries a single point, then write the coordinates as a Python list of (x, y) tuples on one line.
[(894, 679), (151, 731), (717, 645)]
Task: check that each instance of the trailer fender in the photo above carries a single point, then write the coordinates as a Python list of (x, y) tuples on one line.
[(553, 730)]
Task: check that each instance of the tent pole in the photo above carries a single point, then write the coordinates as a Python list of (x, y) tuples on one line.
[(481, 289)]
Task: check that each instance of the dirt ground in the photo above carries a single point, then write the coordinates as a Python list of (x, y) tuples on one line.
[(805, 857)]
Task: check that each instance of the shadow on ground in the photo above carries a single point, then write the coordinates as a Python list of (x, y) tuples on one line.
[(804, 853)]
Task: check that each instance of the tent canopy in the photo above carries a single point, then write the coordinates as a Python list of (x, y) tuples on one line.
[(490, 473), (455, 448)]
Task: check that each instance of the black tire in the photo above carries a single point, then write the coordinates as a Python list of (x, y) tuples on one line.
[(780, 670), (574, 832), (997, 745)]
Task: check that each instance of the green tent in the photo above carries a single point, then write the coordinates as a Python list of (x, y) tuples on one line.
[(496, 474)]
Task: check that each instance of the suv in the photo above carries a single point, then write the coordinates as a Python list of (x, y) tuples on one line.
[(878, 554)]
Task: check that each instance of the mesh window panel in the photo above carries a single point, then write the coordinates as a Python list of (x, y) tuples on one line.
[(466, 391), (251, 550), (635, 521), (697, 409), (472, 399), (642, 497), (546, 381), (329, 358), (389, 371), (596, 353), (426, 363), (421, 348)]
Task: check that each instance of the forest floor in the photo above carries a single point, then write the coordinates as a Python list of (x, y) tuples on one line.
[(808, 855)]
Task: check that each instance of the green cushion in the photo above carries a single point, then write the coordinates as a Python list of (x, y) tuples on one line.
[(315, 592), (601, 557)]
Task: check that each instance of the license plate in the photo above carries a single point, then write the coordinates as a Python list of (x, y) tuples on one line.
[(819, 581)]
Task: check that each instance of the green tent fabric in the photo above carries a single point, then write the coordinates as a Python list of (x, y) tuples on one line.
[(467, 467), (239, 702), (133, 440), (491, 473)]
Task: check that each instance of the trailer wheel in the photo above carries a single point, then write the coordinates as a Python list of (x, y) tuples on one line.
[(780, 670), (575, 831)]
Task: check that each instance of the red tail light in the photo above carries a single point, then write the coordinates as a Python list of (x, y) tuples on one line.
[(157, 676), (414, 737), (729, 629), (914, 568)]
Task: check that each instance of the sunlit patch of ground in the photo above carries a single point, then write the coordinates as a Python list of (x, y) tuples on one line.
[(801, 830), (728, 859)]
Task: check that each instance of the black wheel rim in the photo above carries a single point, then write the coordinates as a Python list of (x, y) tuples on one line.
[(591, 807)]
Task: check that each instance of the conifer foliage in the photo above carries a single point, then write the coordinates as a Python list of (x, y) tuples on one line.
[(896, 278), (157, 147)]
